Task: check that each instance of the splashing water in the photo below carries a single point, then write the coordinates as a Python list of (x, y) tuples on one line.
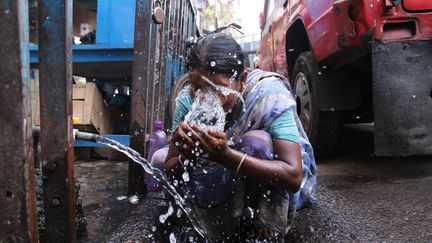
[(207, 111), (224, 90), (172, 238), (164, 217), (158, 175), (183, 92)]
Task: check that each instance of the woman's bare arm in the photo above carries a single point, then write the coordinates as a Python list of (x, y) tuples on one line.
[(286, 170)]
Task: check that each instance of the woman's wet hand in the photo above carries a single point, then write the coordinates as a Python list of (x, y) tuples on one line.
[(183, 139), (213, 142)]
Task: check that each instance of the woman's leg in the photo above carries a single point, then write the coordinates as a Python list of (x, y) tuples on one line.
[(268, 202)]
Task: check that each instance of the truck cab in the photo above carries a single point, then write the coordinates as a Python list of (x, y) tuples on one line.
[(344, 60)]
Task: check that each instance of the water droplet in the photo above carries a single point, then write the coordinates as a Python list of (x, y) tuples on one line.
[(164, 217), (120, 198), (239, 62), (197, 143), (133, 199), (189, 134), (212, 63), (153, 228), (172, 238), (319, 73), (185, 176)]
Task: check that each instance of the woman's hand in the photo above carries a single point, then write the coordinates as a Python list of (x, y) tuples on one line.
[(182, 140), (213, 142)]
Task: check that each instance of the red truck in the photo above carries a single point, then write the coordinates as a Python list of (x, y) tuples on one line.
[(355, 61)]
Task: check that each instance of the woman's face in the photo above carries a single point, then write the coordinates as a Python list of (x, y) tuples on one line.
[(202, 79)]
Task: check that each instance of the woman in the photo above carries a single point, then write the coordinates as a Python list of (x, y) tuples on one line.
[(251, 171)]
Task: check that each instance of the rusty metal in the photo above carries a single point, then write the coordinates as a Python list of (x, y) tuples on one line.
[(55, 75), (152, 78), (162, 63), (160, 68), (140, 79), (18, 221)]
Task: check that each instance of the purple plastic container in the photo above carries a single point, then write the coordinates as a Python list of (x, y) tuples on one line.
[(157, 140)]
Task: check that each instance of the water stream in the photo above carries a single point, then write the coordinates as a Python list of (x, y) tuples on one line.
[(160, 176), (207, 112)]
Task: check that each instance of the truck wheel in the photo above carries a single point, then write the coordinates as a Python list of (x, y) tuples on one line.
[(178, 86), (322, 127)]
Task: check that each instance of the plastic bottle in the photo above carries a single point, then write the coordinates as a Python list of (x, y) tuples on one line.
[(157, 140)]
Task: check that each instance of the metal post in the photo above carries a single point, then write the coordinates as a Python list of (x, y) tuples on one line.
[(55, 77), (152, 82), (18, 221), (163, 56), (140, 74)]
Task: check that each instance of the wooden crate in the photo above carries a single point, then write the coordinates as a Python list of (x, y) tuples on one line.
[(91, 110)]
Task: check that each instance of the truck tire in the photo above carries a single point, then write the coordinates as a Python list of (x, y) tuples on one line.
[(322, 127), (178, 86)]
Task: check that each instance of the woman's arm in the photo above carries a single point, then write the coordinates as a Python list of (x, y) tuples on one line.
[(172, 164), (285, 171)]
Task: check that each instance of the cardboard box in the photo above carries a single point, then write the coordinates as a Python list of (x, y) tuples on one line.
[(89, 107)]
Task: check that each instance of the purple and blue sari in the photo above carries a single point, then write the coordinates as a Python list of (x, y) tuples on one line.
[(267, 95)]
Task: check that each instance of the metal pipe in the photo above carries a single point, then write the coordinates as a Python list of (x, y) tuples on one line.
[(85, 135)]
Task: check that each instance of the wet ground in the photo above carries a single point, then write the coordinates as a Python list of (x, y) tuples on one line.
[(361, 198)]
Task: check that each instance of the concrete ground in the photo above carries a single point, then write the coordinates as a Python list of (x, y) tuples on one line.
[(361, 198)]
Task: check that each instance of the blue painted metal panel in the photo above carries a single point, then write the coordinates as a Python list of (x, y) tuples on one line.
[(123, 139), (94, 53), (115, 22)]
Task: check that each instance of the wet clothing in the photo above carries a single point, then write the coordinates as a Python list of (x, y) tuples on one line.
[(221, 196)]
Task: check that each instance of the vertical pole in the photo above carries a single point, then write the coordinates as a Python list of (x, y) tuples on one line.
[(152, 82), (18, 221), (140, 74), (163, 56), (55, 77)]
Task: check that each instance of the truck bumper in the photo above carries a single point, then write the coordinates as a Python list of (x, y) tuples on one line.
[(402, 93)]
